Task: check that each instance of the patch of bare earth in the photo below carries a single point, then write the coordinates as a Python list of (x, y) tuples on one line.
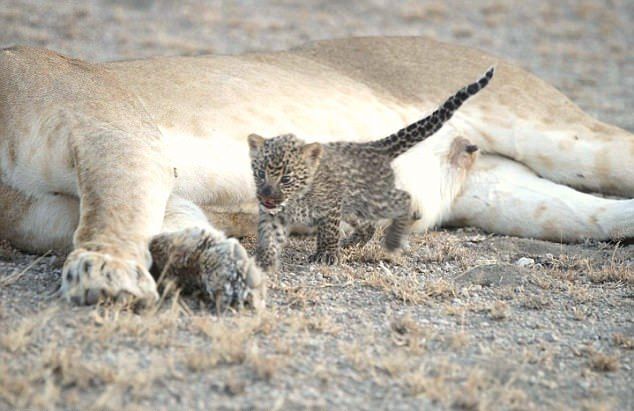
[(454, 323)]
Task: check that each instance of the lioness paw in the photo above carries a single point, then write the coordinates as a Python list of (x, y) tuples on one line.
[(89, 276)]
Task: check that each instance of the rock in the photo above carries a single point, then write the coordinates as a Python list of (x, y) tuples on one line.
[(491, 275), (525, 262)]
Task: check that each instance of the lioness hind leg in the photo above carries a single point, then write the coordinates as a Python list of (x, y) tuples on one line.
[(38, 224), (199, 257), (502, 196), (124, 180)]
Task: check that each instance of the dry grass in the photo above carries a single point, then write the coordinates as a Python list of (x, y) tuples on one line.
[(265, 367), (612, 273), (17, 339), (623, 341), (602, 362), (406, 287), (15, 276), (535, 302), (425, 12), (404, 326), (303, 322), (500, 310), (568, 268), (435, 388), (458, 340), (228, 337), (300, 297), (155, 327), (60, 373), (372, 252)]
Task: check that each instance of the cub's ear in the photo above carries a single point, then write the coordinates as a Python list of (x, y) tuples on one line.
[(312, 152), (255, 142)]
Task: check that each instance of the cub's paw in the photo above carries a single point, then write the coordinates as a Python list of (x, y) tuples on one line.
[(324, 257), (89, 276), (204, 260), (231, 277)]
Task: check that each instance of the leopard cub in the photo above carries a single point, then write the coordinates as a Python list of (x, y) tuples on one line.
[(320, 185)]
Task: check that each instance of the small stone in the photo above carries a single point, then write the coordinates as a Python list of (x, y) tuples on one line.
[(550, 337), (525, 262)]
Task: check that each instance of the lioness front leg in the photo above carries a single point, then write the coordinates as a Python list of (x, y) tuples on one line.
[(200, 258), (124, 180)]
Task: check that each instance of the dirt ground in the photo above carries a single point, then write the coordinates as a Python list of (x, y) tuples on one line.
[(464, 320)]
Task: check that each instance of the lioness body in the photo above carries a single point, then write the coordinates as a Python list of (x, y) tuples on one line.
[(141, 143)]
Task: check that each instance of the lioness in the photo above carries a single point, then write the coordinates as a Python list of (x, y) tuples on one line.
[(116, 159)]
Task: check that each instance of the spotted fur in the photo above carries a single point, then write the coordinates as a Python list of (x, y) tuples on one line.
[(322, 184)]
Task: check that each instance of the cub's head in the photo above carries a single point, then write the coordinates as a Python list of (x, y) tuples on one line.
[(283, 168)]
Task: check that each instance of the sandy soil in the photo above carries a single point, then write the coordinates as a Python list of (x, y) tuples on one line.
[(465, 320)]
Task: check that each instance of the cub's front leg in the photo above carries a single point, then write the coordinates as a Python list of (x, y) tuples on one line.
[(327, 239), (272, 234)]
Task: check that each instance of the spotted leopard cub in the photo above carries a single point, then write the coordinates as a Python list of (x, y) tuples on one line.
[(320, 185)]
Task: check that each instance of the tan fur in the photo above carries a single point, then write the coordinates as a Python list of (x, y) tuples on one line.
[(109, 136)]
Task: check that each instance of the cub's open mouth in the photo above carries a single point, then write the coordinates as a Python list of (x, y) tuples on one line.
[(268, 203)]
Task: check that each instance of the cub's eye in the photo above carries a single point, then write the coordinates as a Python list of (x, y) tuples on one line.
[(261, 174), (285, 180)]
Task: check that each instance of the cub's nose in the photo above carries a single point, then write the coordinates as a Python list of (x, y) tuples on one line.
[(266, 191), (471, 148)]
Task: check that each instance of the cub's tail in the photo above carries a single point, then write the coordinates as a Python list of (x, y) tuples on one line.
[(407, 137)]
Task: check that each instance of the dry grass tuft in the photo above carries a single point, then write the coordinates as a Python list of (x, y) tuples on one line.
[(155, 327), (372, 252), (312, 323), (265, 367), (425, 12), (568, 268), (234, 386), (440, 249), (405, 326), (406, 288), (432, 383), (300, 297), (535, 302), (612, 273), (623, 341), (499, 310), (440, 289), (603, 362), (229, 338), (457, 340)]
